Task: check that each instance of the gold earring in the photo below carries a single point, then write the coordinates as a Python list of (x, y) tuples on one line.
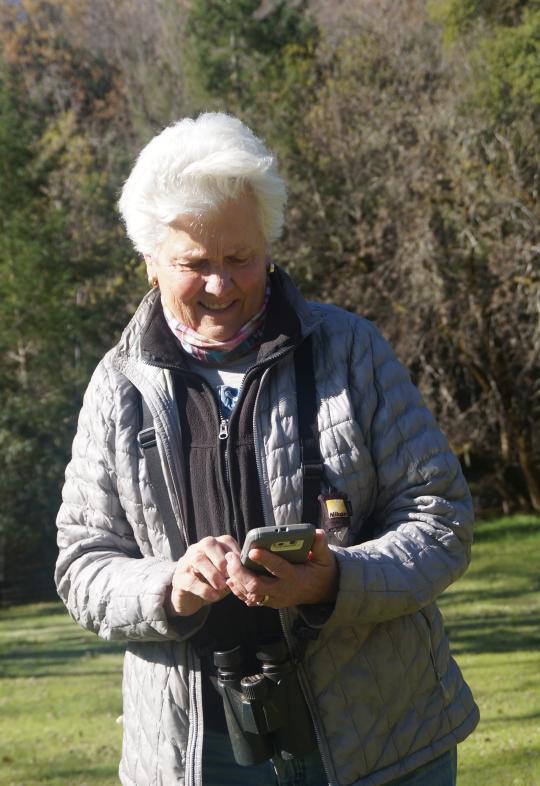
[(271, 267), (153, 282)]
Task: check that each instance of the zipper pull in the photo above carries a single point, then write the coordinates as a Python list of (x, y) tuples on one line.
[(224, 429)]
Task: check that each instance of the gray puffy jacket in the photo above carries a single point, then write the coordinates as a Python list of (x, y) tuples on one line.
[(385, 695)]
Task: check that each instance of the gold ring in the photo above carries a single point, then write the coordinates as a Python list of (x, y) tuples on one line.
[(263, 601)]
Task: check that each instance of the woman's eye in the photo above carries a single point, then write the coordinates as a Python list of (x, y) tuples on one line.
[(238, 260), (189, 264)]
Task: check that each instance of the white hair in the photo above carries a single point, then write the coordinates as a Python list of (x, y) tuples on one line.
[(193, 166)]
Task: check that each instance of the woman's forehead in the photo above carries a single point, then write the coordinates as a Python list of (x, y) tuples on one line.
[(230, 228)]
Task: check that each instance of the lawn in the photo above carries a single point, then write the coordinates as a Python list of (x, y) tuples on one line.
[(60, 686), (493, 617), (59, 701)]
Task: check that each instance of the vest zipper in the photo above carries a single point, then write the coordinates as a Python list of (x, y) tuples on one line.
[(223, 429), (223, 460), (223, 437)]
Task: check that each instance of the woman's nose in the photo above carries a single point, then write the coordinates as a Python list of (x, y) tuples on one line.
[(217, 282)]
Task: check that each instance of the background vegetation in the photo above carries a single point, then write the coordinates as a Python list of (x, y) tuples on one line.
[(407, 131), (60, 686)]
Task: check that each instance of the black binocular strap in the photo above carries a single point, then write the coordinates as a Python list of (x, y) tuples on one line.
[(306, 403), (148, 442)]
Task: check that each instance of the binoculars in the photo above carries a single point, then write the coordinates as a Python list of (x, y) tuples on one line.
[(266, 713)]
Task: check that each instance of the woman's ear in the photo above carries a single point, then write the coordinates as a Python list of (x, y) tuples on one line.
[(151, 270)]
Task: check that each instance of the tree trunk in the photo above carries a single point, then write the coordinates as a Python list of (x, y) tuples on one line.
[(530, 471)]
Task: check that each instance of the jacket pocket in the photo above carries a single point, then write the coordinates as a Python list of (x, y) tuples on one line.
[(425, 623)]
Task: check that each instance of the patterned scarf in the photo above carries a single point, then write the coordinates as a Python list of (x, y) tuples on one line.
[(247, 339)]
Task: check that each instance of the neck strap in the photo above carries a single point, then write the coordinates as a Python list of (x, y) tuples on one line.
[(306, 400)]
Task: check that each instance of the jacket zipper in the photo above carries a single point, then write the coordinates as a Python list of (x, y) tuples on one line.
[(224, 427), (283, 613), (304, 683)]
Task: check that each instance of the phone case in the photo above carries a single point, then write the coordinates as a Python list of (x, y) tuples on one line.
[(293, 543)]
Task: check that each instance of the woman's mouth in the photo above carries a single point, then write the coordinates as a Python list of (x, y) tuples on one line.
[(217, 306)]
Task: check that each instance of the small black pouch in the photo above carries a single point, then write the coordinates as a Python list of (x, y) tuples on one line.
[(335, 519)]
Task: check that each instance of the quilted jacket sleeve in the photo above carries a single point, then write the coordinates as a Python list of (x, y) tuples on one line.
[(101, 575), (423, 509)]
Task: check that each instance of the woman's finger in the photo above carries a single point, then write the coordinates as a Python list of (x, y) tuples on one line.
[(215, 550), (206, 569), (277, 566), (197, 584), (237, 589)]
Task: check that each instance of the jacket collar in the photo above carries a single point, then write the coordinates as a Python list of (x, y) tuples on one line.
[(148, 338)]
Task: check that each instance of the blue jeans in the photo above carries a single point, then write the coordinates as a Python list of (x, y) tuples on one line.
[(220, 769), (441, 771)]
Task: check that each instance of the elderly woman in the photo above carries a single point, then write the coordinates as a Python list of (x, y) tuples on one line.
[(231, 403)]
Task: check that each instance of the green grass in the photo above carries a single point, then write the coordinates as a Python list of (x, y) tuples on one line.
[(60, 686), (59, 701), (493, 617)]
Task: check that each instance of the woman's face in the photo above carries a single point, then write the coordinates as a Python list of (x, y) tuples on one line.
[(211, 270)]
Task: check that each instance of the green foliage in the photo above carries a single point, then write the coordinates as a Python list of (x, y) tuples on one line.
[(28, 289), (504, 42), (236, 50), (257, 64), (459, 16), (509, 58), (62, 303)]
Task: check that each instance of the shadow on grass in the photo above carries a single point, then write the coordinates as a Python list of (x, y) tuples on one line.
[(489, 531), (65, 649), (469, 597), (495, 634), (28, 612), (76, 675), (32, 662), (515, 718), (89, 775), (67, 774)]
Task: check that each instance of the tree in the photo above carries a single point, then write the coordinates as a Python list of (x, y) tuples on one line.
[(423, 215), (257, 60), (66, 275), (30, 431)]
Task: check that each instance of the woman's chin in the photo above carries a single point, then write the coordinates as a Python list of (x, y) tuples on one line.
[(217, 331), (220, 325)]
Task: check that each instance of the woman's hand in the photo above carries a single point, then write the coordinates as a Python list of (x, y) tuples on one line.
[(315, 581), (201, 575)]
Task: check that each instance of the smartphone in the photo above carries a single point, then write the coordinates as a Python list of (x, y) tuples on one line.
[(293, 543)]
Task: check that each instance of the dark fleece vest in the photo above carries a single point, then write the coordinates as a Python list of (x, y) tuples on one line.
[(220, 483)]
